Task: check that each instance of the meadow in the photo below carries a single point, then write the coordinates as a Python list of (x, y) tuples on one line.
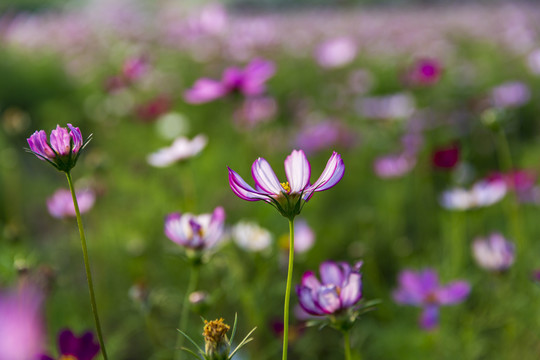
[(434, 112)]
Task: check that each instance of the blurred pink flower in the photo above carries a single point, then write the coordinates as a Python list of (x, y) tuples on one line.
[(60, 204), (134, 68), (494, 253), (394, 106), (256, 110), (324, 135), (523, 182), (250, 81), (304, 236), (393, 166), (445, 157), (510, 94), (483, 193), (21, 326), (181, 149), (424, 72), (336, 52), (154, 108)]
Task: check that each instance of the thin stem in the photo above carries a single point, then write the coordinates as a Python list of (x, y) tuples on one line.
[(192, 286), (288, 290), (87, 268), (347, 342)]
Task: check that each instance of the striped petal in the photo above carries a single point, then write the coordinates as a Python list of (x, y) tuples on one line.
[(305, 299), (331, 273), (331, 175), (265, 178), (351, 293), (328, 299), (242, 189), (298, 171), (310, 280), (77, 138)]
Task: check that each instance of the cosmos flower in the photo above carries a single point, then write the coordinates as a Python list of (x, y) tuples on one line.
[(424, 72), (63, 149), (423, 289), (250, 81), (60, 204), (197, 232), (255, 110), (304, 237), (494, 253), (72, 347), (510, 94), (250, 236), (153, 109), (21, 327), (445, 157), (387, 107), (483, 193), (336, 52), (181, 149), (393, 166), (340, 288), (288, 197), (324, 135)]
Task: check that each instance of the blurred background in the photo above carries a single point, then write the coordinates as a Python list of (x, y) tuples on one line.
[(430, 103)]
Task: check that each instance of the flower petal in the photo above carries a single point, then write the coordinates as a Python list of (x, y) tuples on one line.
[(331, 175), (429, 317), (265, 178), (60, 140), (352, 292), (298, 171), (328, 299), (453, 293), (204, 90), (310, 280), (242, 189), (331, 273), (77, 138), (305, 300), (414, 287)]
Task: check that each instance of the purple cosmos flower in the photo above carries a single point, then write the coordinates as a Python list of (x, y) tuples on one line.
[(21, 327), (134, 68), (336, 52), (393, 166), (60, 204), (510, 94), (340, 288), (198, 232), (423, 289), (250, 81), (316, 137), (494, 253), (181, 149), (256, 110), (63, 149), (75, 348), (287, 197)]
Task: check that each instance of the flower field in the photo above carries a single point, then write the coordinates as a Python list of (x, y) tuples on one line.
[(349, 183)]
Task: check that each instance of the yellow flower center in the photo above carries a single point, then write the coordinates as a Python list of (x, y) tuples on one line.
[(67, 357), (214, 331), (286, 187)]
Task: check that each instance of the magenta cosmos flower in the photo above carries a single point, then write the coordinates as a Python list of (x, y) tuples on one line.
[(287, 197), (63, 149), (75, 348), (197, 232), (250, 81), (423, 289), (340, 288)]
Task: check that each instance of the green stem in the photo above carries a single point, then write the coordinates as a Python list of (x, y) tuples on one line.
[(457, 238), (192, 286), (288, 290), (347, 341), (87, 268)]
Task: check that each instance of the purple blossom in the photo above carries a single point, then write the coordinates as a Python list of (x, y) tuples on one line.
[(83, 347), (60, 204), (326, 134), (250, 81), (288, 197), (198, 232), (424, 72), (256, 110), (510, 94), (494, 253), (21, 326), (336, 52), (423, 289), (134, 68), (393, 166), (62, 151), (340, 288)]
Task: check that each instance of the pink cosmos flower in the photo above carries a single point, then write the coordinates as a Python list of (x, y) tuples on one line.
[(326, 134), (424, 72), (288, 197), (153, 109), (60, 204), (446, 157), (494, 253), (336, 52), (256, 110), (340, 288), (21, 327), (483, 193), (393, 166), (423, 289), (250, 81), (197, 232), (134, 68), (510, 94), (304, 237), (63, 149)]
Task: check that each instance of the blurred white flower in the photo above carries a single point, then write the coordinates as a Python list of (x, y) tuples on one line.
[(182, 148), (250, 236), (395, 106), (493, 253), (336, 52), (483, 193)]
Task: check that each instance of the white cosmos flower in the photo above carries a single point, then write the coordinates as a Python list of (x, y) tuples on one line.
[(483, 193), (182, 148), (250, 236)]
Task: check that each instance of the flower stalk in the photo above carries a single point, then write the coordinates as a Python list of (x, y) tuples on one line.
[(87, 268), (347, 342), (288, 290), (192, 286)]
